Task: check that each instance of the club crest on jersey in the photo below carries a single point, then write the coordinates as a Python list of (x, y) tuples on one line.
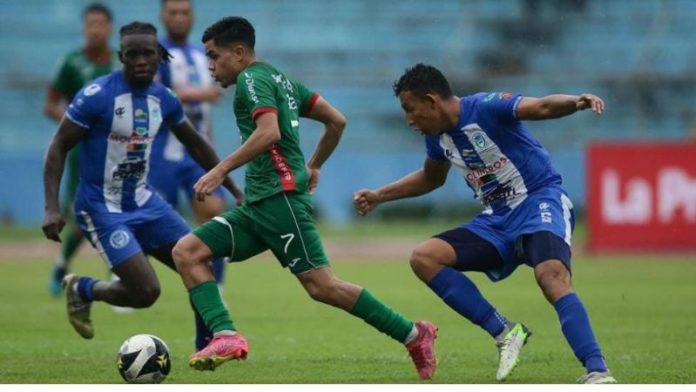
[(92, 89), (479, 140), (119, 239)]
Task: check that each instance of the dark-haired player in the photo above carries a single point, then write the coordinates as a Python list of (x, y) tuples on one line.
[(115, 119), (78, 68), (527, 219), (277, 214)]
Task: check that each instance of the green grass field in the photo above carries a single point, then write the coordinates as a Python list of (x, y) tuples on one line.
[(642, 309)]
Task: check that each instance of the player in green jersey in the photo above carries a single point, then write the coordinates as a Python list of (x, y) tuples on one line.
[(79, 67), (277, 214)]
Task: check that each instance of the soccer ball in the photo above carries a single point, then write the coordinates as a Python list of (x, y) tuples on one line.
[(144, 359)]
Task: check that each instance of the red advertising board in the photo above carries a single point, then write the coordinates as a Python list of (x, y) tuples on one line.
[(642, 196)]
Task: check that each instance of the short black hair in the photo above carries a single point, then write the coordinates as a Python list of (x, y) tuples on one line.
[(99, 8), (422, 79), (231, 29), (145, 28)]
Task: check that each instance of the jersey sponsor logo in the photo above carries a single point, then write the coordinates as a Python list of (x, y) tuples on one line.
[(131, 168), (156, 114), (501, 192), (250, 87), (92, 89), (287, 177), (476, 174), (120, 111), (140, 115), (119, 239)]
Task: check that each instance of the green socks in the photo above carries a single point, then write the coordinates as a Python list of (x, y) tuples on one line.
[(206, 298), (382, 317)]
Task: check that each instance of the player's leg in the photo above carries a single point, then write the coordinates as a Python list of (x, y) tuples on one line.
[(440, 261), (205, 210), (550, 256), (73, 235), (288, 228), (546, 248), (158, 239), (229, 234), (138, 286)]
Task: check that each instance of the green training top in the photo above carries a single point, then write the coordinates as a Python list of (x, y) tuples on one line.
[(76, 70), (261, 88)]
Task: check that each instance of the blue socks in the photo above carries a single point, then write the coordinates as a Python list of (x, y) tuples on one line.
[(219, 269), (460, 294), (85, 288), (576, 327)]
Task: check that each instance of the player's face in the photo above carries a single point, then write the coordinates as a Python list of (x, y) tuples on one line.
[(224, 62), (140, 56), (421, 113), (97, 29), (177, 18)]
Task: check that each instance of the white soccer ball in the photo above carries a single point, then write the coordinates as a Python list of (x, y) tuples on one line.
[(144, 359)]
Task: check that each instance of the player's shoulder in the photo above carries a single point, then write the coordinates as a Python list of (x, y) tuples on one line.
[(98, 88), (163, 93)]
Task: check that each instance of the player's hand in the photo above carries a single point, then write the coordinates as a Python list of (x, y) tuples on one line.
[(207, 184), (314, 175), (238, 195), (365, 201), (52, 225), (590, 101)]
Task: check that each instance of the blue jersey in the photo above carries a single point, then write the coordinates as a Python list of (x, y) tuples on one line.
[(188, 67), (497, 155), (121, 124)]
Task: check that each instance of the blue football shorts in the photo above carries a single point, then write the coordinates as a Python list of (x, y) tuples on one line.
[(118, 236), (537, 230)]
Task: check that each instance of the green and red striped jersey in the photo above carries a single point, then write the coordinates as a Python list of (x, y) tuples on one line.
[(261, 88)]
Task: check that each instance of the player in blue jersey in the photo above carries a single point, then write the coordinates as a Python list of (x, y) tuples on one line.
[(115, 120), (172, 168), (527, 219)]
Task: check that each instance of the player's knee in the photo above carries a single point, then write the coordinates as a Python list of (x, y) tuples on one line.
[(147, 295), (424, 263), (184, 253), (553, 279)]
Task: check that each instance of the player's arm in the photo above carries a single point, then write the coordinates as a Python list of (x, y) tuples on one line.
[(66, 137), (557, 105), (203, 153), (334, 124), (53, 106), (261, 140), (432, 176)]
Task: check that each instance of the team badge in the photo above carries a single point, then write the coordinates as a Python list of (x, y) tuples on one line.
[(119, 239), (479, 140), (92, 89)]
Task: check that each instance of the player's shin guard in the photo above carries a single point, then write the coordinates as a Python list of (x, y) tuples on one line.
[(576, 327), (460, 294), (207, 301), (382, 317)]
